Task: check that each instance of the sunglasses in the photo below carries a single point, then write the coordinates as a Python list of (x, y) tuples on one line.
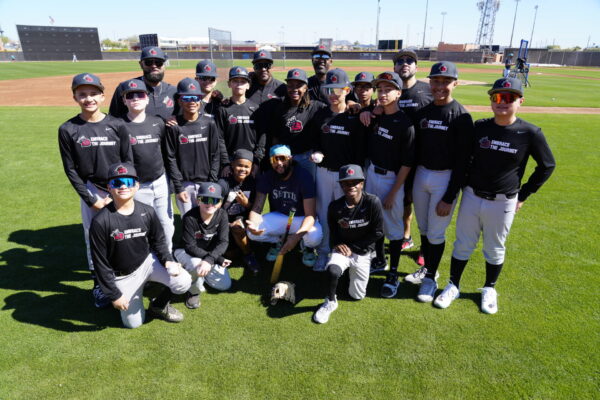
[(350, 183), (207, 78), (335, 91), (262, 65), (275, 159), (135, 95), (506, 97), (190, 99), (321, 56), (209, 200), (118, 182), (408, 61), (151, 61)]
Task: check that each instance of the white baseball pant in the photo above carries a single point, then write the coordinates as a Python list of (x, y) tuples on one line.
[(328, 189), (218, 278), (359, 266), (132, 287), (428, 189), (156, 195), (492, 217), (380, 186), (274, 224)]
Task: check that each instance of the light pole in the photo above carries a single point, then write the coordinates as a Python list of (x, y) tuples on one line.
[(425, 24), (533, 27), (377, 26), (283, 43), (514, 20), (443, 18)]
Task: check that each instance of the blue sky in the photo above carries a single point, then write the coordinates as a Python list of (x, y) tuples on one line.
[(565, 23)]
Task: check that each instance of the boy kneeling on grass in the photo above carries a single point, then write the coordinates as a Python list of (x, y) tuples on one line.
[(204, 241), (129, 248)]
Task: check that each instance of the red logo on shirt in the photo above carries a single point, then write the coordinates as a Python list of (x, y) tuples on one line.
[(424, 124), (198, 235), (485, 143), (117, 235), (295, 126), (84, 142), (233, 120), (183, 139), (343, 223), (133, 140), (168, 102), (325, 129)]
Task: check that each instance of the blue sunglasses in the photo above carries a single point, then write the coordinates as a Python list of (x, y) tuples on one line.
[(118, 182), (189, 99)]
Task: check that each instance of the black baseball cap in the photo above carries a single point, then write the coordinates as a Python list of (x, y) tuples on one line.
[(206, 68), (351, 172), (153, 52), (512, 85), (406, 53), (238, 72), (445, 69), (133, 85), (210, 189), (243, 154), (322, 48), (336, 78), (262, 55), (363, 77), (389, 77), (188, 87), (121, 170), (86, 79), (297, 74)]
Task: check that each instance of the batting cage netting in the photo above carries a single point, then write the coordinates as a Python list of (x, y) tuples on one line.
[(221, 47)]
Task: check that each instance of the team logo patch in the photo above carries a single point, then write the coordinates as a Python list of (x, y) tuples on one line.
[(207, 68), (262, 54), (295, 126), (168, 102), (238, 71), (334, 79), (153, 52), (132, 84), (485, 143), (270, 96), (84, 142), (326, 129), (321, 46), (385, 76), (211, 189), (506, 84), (443, 68), (191, 86), (350, 171), (362, 76), (121, 170), (132, 140), (233, 120), (88, 78), (198, 235), (423, 123), (296, 73), (183, 139), (117, 235), (343, 223)]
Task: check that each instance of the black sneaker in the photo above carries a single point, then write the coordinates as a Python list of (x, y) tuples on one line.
[(390, 287), (192, 301), (252, 265), (100, 299), (378, 265)]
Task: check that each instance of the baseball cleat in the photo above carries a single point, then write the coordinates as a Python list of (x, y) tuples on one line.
[(448, 295), (378, 265), (273, 252), (418, 276), (168, 313), (321, 316), (489, 300), (420, 259), (192, 301), (407, 243), (427, 290), (100, 299), (390, 287)]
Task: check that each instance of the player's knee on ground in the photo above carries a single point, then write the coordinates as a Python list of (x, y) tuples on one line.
[(132, 320)]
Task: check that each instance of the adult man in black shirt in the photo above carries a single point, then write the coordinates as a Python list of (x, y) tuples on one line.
[(501, 147), (161, 94), (263, 85), (129, 249), (355, 224), (321, 61)]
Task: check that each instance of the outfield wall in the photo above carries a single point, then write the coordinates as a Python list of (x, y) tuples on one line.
[(575, 58)]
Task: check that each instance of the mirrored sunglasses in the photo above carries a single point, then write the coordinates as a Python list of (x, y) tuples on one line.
[(262, 65), (119, 182), (321, 56), (408, 61), (152, 61), (275, 159), (135, 95), (190, 99), (335, 91), (209, 200), (506, 97)]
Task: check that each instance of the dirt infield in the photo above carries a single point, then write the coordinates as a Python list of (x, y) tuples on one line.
[(58, 93)]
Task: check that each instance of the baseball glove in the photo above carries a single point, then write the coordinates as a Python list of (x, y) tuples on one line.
[(283, 290)]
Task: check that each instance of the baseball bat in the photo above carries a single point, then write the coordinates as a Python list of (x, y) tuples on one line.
[(279, 259)]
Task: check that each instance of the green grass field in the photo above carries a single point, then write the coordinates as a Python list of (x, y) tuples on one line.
[(543, 344)]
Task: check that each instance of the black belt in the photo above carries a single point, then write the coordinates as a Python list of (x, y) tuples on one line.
[(380, 171), (490, 195)]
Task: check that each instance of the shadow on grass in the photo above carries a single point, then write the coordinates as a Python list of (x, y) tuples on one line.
[(59, 260)]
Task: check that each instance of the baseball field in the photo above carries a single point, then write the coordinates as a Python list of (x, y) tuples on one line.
[(544, 343)]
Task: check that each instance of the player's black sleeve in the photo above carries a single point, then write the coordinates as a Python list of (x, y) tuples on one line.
[(541, 153), (462, 131), (259, 118), (99, 247), (214, 152), (65, 145), (117, 107), (359, 142), (156, 237), (375, 228), (222, 240), (334, 234), (408, 150), (125, 150), (221, 123), (172, 167)]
